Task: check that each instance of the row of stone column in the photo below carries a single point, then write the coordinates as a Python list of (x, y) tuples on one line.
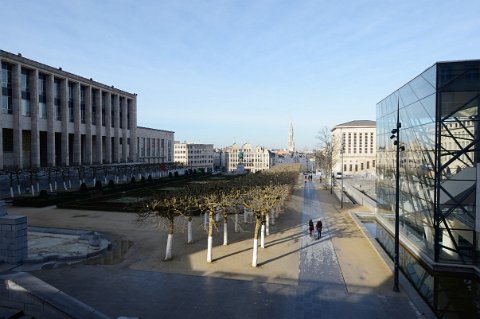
[(102, 155)]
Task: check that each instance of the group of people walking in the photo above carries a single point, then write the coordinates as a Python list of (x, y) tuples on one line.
[(318, 227)]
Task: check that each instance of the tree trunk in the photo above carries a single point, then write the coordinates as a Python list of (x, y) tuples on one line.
[(51, 188), (168, 252), (19, 191), (205, 221), (55, 183), (273, 217), (189, 230), (262, 236), (11, 192), (225, 231), (236, 222), (267, 223), (210, 235), (65, 185), (255, 242)]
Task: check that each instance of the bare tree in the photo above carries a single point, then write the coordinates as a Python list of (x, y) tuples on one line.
[(327, 156)]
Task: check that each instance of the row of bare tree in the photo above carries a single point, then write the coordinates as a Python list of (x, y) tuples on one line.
[(261, 195)]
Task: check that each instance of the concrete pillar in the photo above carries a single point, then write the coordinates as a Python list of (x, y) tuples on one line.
[(65, 118), (13, 238), (108, 127), (1, 141), (116, 130), (34, 133), (88, 125), (1, 132), (17, 128), (77, 145), (49, 84), (1, 126), (133, 130), (123, 105), (98, 127)]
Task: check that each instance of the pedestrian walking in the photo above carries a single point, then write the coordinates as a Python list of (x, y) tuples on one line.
[(319, 229), (310, 227)]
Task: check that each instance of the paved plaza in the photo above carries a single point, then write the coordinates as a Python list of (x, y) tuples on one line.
[(337, 276)]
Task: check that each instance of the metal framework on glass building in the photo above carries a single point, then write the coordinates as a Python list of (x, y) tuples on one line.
[(439, 170)]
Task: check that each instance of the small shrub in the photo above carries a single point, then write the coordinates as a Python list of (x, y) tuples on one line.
[(132, 180), (98, 186), (111, 184), (43, 194), (83, 188)]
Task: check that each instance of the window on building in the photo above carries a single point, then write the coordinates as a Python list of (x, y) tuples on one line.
[(350, 166), (104, 103), (57, 100), (121, 112), (112, 111), (94, 106), (7, 140), (25, 92), (6, 88), (368, 164), (129, 106), (356, 167), (361, 166), (42, 96), (82, 103), (71, 115), (373, 163)]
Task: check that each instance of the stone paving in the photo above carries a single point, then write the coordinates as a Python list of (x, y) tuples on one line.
[(332, 280)]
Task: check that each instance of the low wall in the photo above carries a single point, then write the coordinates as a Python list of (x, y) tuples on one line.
[(36, 298), (361, 198)]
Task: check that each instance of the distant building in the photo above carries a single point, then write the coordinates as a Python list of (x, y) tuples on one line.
[(357, 139), (194, 156), (291, 140), (154, 146), (248, 158), (219, 159)]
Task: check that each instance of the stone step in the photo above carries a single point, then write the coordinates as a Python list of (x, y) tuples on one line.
[(10, 313)]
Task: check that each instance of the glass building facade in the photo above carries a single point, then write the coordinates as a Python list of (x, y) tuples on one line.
[(439, 115)]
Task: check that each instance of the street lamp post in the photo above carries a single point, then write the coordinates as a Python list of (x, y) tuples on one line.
[(341, 169), (396, 142)]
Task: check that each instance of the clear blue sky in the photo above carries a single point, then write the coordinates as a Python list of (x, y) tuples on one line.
[(239, 71)]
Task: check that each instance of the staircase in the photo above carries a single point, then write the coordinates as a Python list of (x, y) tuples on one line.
[(10, 313)]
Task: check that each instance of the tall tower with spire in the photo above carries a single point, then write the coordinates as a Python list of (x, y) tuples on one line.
[(291, 141)]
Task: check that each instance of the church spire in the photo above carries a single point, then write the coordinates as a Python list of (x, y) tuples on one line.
[(291, 141)]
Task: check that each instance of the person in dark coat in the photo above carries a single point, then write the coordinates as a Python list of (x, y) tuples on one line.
[(319, 229), (310, 227)]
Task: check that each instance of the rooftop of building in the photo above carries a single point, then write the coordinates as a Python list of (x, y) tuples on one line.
[(154, 129), (357, 123), (59, 71)]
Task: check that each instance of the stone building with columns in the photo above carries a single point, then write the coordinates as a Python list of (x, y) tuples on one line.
[(50, 117), (154, 145)]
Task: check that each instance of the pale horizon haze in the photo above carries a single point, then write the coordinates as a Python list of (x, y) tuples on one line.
[(220, 72)]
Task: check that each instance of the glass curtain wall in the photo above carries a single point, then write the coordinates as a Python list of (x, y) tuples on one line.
[(439, 116), (457, 155)]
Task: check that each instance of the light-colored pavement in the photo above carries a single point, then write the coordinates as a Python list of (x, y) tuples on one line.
[(338, 276)]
